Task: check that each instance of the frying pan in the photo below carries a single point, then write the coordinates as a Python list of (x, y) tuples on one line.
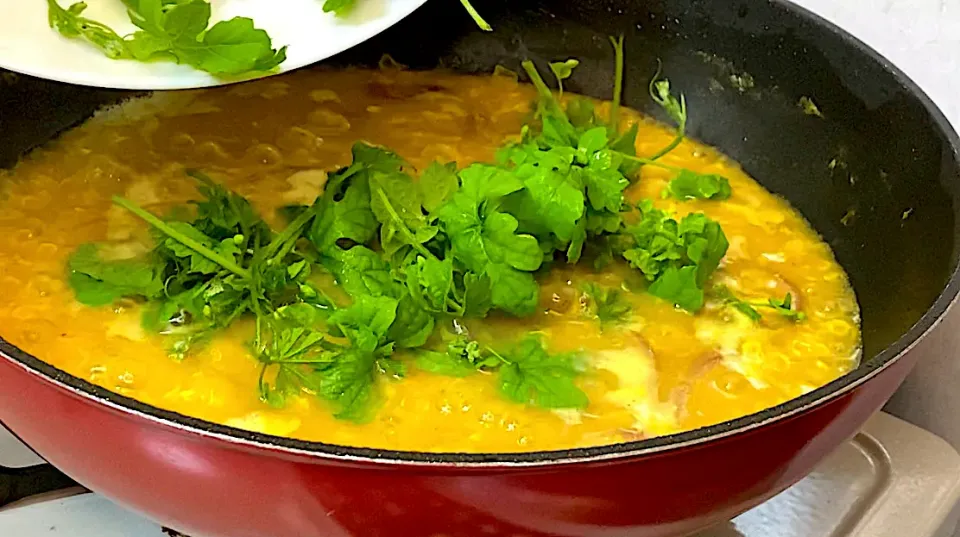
[(877, 176)]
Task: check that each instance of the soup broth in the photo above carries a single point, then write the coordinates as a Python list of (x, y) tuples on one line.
[(656, 369)]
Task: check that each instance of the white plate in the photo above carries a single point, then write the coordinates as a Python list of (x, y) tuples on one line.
[(28, 44)]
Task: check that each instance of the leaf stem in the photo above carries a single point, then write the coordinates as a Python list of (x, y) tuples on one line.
[(681, 121), (168, 230), (323, 294), (650, 161), (617, 82), (476, 16), (411, 239), (669, 147), (455, 306), (537, 80), (261, 382), (498, 355), (281, 244)]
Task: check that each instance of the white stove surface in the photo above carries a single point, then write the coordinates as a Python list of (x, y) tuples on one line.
[(893, 480)]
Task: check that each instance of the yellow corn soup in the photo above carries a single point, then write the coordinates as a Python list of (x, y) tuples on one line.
[(272, 141)]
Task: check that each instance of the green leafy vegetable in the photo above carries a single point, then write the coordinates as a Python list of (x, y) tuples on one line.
[(783, 307), (688, 185), (608, 305), (485, 239), (437, 183), (675, 108), (70, 23), (178, 30), (97, 282), (463, 357), (344, 209), (572, 178), (563, 70), (527, 373), (533, 376), (340, 7), (677, 257)]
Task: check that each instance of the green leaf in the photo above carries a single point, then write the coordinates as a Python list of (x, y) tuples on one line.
[(462, 358), (491, 247), (604, 182), (679, 287), (340, 7), (469, 350), (293, 343), (361, 271), (483, 182), (705, 244), (224, 299), (783, 307), (674, 107), (513, 291), (533, 376), (98, 282), (563, 70), (348, 217), (344, 212), (678, 257), (606, 304), (373, 314), (502, 245), (376, 158), (555, 192), (179, 30), (349, 383), (478, 296), (223, 214), (437, 184), (592, 140), (430, 280), (487, 243), (175, 30), (442, 363), (575, 248), (412, 326), (626, 143), (581, 113), (196, 260), (688, 185), (70, 23), (396, 203)]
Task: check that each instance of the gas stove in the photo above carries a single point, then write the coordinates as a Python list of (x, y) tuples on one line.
[(892, 480)]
